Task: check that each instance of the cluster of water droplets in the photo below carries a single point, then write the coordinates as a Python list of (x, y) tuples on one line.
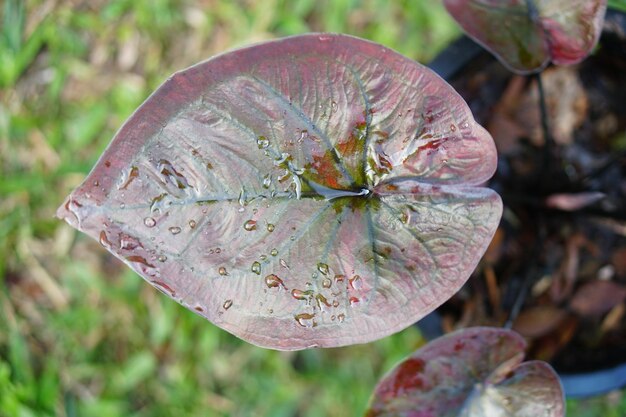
[(326, 297), (289, 176)]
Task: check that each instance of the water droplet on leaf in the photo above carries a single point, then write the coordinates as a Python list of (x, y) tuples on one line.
[(250, 225), (322, 300), (262, 142), (356, 282), (267, 181), (104, 241), (175, 230), (127, 178), (140, 260), (323, 268), (270, 227), (128, 242), (149, 222), (305, 319), (256, 267), (222, 271), (301, 295), (273, 281), (227, 304), (284, 157), (274, 252)]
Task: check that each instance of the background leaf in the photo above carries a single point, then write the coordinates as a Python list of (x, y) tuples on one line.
[(526, 38), (473, 372)]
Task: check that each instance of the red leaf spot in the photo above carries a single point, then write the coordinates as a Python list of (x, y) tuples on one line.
[(432, 146), (407, 376), (327, 170), (351, 145)]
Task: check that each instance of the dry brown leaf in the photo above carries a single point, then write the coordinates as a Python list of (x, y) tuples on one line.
[(551, 344), (538, 321), (563, 282), (618, 260), (597, 297), (494, 250), (567, 106), (614, 318), (573, 202)]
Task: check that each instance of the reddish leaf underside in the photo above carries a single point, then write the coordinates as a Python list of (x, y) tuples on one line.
[(475, 372), (313, 191), (561, 31)]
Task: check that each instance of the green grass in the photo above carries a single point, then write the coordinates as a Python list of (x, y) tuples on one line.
[(618, 4), (80, 335)]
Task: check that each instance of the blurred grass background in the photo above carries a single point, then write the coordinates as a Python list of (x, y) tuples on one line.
[(80, 335)]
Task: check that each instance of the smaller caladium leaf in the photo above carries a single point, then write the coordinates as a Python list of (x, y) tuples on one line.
[(476, 372), (527, 34)]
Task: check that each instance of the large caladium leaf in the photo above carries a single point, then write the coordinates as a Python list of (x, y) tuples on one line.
[(476, 372), (312, 191), (526, 34)]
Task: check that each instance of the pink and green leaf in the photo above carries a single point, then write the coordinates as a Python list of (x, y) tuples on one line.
[(525, 38), (319, 190), (475, 372)]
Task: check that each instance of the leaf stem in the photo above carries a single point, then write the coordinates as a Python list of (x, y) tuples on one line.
[(549, 141), (529, 277), (533, 12)]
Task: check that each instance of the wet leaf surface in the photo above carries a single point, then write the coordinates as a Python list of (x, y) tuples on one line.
[(526, 38), (473, 372), (312, 191)]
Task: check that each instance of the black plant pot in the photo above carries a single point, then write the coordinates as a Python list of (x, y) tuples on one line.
[(465, 56)]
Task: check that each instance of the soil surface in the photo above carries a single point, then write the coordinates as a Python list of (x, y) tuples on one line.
[(556, 268)]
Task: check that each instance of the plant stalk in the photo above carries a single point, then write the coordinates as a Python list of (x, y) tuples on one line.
[(533, 12), (529, 277), (547, 136)]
